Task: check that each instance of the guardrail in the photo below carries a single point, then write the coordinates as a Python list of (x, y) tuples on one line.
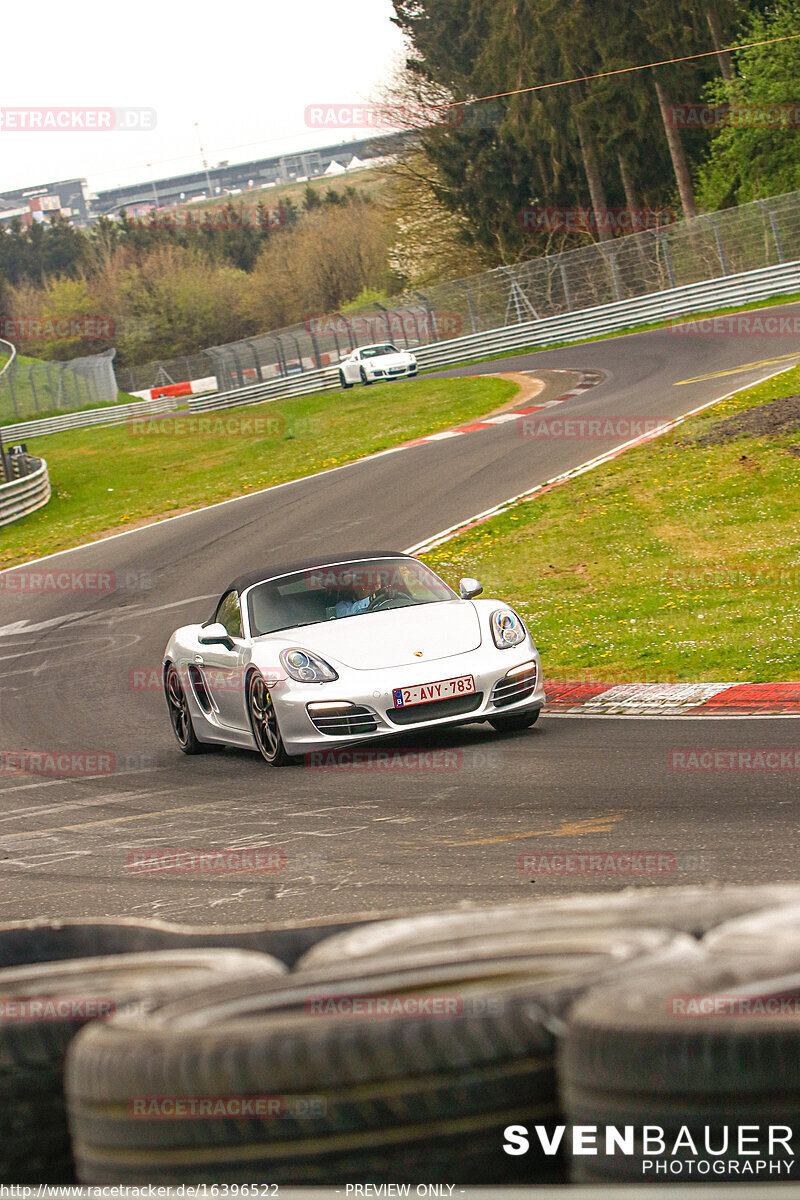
[(726, 291), (23, 496), (729, 290), (5, 473), (118, 414), (27, 492)]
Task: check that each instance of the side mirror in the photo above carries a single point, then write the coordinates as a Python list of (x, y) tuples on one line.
[(468, 588), (215, 635)]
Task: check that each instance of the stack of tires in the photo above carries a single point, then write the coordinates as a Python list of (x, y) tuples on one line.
[(404, 1048), (709, 1056)]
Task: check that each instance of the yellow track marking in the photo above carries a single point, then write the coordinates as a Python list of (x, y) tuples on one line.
[(565, 829), (751, 366)]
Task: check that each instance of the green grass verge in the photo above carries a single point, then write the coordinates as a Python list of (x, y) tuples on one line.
[(104, 479), (674, 562)]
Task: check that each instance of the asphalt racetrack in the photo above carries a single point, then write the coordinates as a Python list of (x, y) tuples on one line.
[(72, 667)]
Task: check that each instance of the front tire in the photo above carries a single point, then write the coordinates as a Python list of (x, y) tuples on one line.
[(179, 715), (366, 382), (515, 723), (264, 722)]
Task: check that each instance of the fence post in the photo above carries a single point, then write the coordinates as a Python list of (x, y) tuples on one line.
[(471, 306), (256, 363), (33, 388), (611, 259), (565, 284), (12, 370), (430, 312), (775, 231), (237, 364), (664, 244), (518, 298), (723, 262), (315, 348)]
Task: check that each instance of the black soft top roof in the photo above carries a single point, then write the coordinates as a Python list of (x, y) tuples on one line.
[(274, 570)]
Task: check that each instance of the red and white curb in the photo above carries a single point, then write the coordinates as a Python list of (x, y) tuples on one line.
[(198, 387), (588, 379), (673, 699), (445, 535)]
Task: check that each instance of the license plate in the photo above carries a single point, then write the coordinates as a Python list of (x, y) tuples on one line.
[(426, 693)]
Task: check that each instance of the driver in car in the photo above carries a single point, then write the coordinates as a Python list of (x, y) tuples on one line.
[(353, 600)]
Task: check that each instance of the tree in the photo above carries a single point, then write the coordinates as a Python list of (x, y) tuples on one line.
[(601, 142), (756, 154)]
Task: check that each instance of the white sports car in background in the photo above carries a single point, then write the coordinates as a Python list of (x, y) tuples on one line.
[(382, 361), (339, 651)]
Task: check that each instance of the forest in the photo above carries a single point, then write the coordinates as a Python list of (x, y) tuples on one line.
[(567, 127)]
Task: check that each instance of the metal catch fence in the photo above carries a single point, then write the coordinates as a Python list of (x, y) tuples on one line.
[(755, 236), (35, 389)]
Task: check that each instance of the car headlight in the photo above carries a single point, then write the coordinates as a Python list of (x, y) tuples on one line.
[(507, 629), (306, 667)]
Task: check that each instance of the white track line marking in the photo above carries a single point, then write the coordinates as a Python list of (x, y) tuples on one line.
[(445, 535), (433, 437), (683, 716)]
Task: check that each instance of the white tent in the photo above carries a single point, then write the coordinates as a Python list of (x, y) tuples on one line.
[(336, 169)]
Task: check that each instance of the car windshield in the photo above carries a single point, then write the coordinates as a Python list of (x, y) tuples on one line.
[(377, 351), (342, 590)]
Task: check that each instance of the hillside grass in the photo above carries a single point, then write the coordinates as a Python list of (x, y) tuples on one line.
[(105, 479), (674, 562)]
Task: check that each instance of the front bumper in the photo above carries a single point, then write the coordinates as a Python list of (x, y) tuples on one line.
[(373, 715), (396, 372)]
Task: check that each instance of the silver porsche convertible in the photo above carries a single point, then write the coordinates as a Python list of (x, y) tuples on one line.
[(343, 650)]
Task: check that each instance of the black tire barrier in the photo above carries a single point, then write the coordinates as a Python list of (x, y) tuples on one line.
[(706, 1047), (26, 942), (693, 910), (747, 935), (388, 1070), (42, 1007)]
